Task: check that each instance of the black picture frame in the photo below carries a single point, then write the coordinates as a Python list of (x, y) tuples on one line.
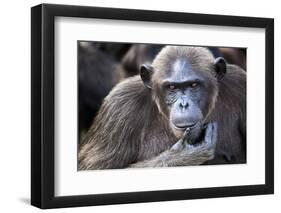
[(43, 111)]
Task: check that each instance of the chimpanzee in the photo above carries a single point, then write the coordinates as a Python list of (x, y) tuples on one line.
[(186, 108)]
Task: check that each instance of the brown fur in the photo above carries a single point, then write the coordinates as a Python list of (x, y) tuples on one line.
[(130, 131)]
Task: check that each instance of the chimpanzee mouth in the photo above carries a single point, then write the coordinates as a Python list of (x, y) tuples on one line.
[(184, 127)]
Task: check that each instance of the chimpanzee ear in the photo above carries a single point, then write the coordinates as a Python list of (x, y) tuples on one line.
[(220, 66), (146, 73)]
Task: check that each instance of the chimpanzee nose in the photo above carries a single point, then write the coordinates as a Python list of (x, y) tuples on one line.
[(183, 103)]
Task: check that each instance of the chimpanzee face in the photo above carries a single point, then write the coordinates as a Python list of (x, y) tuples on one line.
[(184, 92), (186, 96)]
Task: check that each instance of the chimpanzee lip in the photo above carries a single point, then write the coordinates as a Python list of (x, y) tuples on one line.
[(185, 126)]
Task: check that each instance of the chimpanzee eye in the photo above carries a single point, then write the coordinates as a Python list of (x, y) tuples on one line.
[(194, 85), (172, 87)]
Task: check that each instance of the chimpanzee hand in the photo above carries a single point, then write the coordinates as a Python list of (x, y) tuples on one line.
[(185, 153), (197, 153)]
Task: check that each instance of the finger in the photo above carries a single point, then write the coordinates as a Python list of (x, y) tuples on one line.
[(209, 132), (214, 135), (178, 146), (215, 131), (189, 147), (211, 136), (186, 134)]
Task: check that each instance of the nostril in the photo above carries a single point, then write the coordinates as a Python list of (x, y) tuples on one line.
[(183, 104)]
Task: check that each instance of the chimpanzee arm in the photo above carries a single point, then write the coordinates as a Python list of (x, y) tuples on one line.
[(184, 154), (180, 154)]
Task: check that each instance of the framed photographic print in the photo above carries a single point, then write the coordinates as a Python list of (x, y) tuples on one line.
[(139, 106)]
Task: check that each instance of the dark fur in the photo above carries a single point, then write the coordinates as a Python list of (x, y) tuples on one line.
[(137, 55), (98, 73), (235, 56), (131, 131), (230, 114), (115, 50)]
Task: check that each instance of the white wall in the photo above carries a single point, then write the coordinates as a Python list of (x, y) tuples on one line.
[(15, 105)]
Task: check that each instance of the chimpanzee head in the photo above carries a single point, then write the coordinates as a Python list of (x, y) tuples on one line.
[(184, 84)]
